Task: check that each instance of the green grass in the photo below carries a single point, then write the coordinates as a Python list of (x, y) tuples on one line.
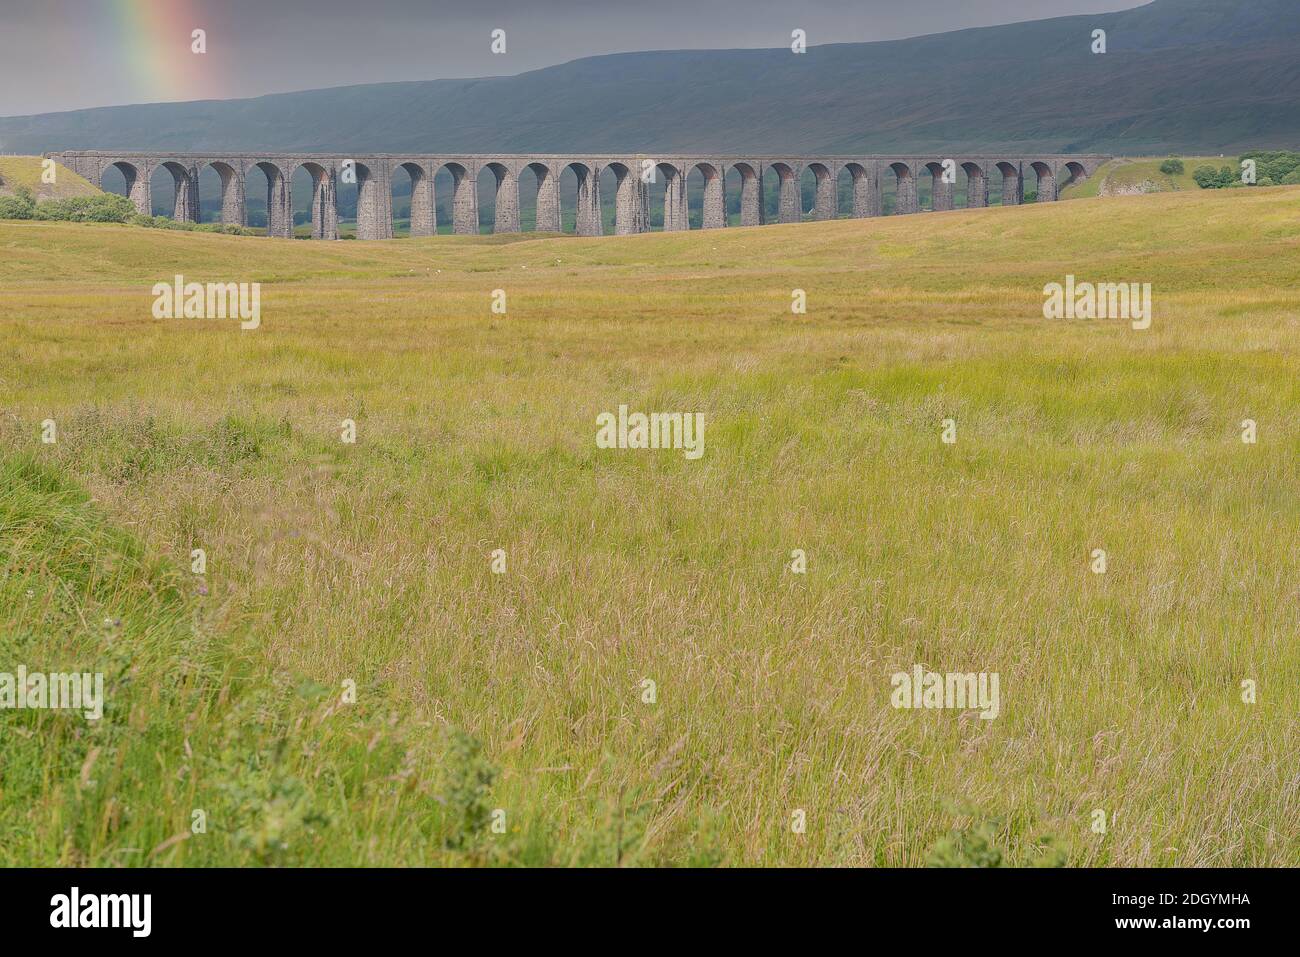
[(1134, 174), (26, 172), (372, 562)]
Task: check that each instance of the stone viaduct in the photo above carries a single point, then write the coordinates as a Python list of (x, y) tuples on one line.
[(633, 173)]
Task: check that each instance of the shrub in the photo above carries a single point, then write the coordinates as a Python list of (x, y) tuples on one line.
[(966, 847), (1207, 177), (1172, 167), (468, 777), (162, 222), (105, 208), (1275, 165), (223, 228), (16, 207), (976, 846)]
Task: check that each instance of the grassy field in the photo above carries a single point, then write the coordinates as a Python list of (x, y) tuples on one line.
[(525, 692), (1143, 173)]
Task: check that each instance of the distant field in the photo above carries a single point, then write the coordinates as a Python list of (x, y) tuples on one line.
[(526, 692)]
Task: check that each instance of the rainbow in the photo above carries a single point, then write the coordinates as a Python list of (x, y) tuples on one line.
[(152, 40)]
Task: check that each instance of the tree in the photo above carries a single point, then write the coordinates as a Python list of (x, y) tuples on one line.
[(1206, 177), (1172, 167), (1274, 165)]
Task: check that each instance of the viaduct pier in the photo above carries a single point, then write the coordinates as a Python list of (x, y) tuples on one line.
[(633, 174)]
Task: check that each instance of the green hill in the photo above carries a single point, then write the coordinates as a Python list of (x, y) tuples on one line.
[(25, 172), (1125, 176)]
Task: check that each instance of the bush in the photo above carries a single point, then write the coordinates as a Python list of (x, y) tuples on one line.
[(16, 207), (105, 208), (1275, 165), (467, 785), (162, 222), (1172, 167), (1208, 178), (976, 846), (223, 228)]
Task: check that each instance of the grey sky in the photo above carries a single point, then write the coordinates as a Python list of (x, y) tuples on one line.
[(71, 54)]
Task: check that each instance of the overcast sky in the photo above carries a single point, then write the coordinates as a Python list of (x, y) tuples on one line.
[(71, 54)]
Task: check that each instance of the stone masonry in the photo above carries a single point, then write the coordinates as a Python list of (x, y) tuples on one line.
[(633, 175)]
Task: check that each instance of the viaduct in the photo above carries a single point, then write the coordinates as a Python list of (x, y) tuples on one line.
[(373, 175)]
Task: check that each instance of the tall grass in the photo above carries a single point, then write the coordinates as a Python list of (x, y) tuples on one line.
[(524, 692)]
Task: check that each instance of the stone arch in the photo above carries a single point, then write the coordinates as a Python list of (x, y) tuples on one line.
[(505, 197), (864, 190), (823, 199), (586, 192), (1075, 173), (421, 205), (807, 193), (751, 194), (374, 201), (977, 185), (464, 198), (546, 211), (629, 199), (1013, 187), (788, 202), (941, 192), (713, 204), (184, 207), (233, 212), (1046, 185), (324, 212), (136, 184), (279, 199), (904, 188), (844, 180), (667, 195)]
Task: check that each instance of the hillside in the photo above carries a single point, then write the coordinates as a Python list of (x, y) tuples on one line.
[(371, 563), (25, 172), (1179, 76)]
